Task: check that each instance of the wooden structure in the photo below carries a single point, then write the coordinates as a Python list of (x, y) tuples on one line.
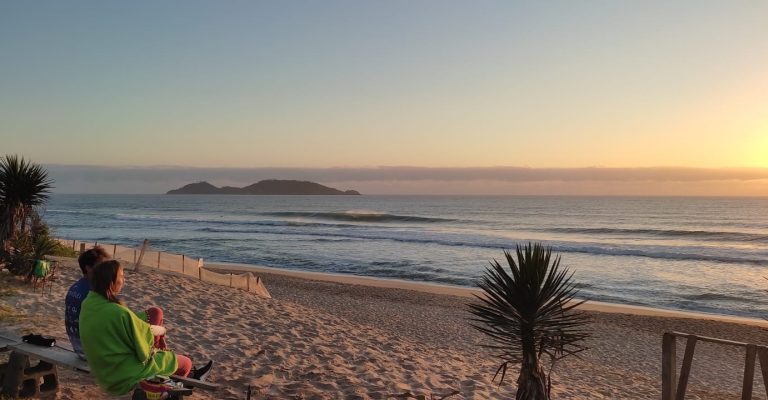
[(674, 389), (19, 380)]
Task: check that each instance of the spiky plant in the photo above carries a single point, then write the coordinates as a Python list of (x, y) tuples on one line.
[(528, 312), (23, 187)]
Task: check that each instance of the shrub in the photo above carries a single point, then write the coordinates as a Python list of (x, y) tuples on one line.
[(529, 312)]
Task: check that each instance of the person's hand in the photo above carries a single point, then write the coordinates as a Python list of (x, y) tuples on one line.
[(157, 330)]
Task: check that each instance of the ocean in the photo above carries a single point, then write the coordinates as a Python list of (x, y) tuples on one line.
[(694, 254)]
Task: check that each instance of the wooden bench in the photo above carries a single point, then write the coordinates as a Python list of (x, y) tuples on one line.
[(21, 380), (5, 342)]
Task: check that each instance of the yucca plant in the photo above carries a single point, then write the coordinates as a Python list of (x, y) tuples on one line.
[(528, 311), (23, 187)]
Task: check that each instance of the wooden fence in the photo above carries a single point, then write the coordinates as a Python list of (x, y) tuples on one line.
[(178, 263), (674, 389)]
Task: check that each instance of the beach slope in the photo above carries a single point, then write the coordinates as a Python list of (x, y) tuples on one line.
[(328, 339)]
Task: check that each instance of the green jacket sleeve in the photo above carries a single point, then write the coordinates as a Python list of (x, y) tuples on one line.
[(142, 337), (142, 315)]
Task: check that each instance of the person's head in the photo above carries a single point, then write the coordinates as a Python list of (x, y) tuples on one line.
[(108, 280), (90, 259)]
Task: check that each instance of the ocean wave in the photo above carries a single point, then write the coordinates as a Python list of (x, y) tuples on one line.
[(229, 222), (709, 296), (698, 234), (358, 216), (455, 240), (56, 211)]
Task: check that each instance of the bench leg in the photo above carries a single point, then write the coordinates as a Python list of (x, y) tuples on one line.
[(50, 376), (14, 374), (21, 381)]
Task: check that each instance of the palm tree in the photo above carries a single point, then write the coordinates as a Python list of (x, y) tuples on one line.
[(528, 312), (23, 187)]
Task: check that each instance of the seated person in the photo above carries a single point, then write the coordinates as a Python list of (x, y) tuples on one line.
[(119, 346), (77, 292)]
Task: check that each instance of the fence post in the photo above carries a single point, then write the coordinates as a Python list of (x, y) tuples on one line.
[(114, 250), (73, 244), (134, 256), (82, 248), (158, 259), (668, 367), (200, 268), (685, 371), (144, 247), (230, 279), (182, 263), (749, 372), (248, 281), (762, 354)]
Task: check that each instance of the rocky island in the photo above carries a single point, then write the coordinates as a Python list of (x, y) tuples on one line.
[(266, 187)]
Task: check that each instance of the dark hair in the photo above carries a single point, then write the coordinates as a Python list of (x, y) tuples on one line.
[(92, 257), (104, 277)]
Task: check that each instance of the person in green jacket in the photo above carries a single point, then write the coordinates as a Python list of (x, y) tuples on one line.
[(118, 345)]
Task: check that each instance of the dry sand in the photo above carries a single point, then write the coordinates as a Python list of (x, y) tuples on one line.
[(319, 338)]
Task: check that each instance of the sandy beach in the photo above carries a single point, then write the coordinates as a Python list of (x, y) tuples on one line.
[(330, 337)]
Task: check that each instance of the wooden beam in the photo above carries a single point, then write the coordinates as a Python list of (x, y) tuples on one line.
[(685, 371), (710, 339), (762, 353), (53, 355), (749, 372), (668, 366), (195, 383)]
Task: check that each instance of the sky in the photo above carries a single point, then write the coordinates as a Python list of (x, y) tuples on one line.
[(204, 89)]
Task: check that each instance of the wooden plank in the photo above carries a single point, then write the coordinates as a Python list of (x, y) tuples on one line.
[(668, 366), (70, 360), (685, 371), (762, 353), (195, 382), (710, 339), (5, 342), (749, 373), (54, 355)]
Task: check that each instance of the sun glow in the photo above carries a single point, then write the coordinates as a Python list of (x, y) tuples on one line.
[(757, 154)]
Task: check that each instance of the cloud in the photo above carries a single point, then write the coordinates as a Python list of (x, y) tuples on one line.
[(102, 179)]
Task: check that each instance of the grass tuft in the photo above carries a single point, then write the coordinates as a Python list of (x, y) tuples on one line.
[(8, 314)]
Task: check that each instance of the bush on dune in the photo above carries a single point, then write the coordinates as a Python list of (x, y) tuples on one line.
[(24, 188), (528, 312)]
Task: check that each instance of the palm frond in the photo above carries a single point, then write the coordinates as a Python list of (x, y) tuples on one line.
[(529, 306), (24, 186)]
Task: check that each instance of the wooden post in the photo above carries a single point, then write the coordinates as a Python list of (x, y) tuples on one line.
[(134, 256), (182, 263), (762, 353), (95, 244), (114, 250), (158, 259), (248, 282), (749, 372), (200, 268), (73, 244), (82, 248), (685, 372), (144, 247), (668, 367)]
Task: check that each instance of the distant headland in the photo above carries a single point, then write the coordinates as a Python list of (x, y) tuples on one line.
[(266, 187)]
